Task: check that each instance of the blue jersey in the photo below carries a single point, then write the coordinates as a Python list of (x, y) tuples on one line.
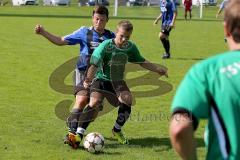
[(167, 8), (176, 2), (222, 5), (88, 39)]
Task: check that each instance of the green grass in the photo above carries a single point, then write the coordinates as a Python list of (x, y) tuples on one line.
[(30, 129)]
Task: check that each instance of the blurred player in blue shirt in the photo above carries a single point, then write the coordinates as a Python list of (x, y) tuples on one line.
[(168, 15)]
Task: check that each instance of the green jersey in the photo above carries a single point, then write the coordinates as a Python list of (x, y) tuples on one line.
[(211, 90), (111, 60)]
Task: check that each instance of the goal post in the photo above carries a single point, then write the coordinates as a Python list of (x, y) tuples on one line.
[(115, 8)]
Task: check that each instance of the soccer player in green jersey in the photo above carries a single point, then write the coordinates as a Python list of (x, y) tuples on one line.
[(107, 66), (211, 91)]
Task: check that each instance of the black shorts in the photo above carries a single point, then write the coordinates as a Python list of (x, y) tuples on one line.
[(110, 89), (165, 29), (78, 79)]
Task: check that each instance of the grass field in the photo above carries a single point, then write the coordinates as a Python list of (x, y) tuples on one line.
[(30, 127)]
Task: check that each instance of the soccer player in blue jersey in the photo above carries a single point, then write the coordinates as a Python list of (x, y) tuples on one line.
[(88, 38), (168, 15)]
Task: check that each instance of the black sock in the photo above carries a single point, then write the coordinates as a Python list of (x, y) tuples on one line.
[(124, 112), (166, 44), (88, 115), (72, 120), (81, 135)]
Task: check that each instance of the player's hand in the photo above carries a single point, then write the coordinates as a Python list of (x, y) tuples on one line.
[(162, 72), (86, 84), (39, 29), (172, 25), (155, 22)]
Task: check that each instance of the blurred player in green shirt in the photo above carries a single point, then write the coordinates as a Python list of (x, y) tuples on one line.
[(211, 91)]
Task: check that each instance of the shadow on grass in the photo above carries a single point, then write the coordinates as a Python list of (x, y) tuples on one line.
[(149, 142), (157, 144), (81, 148), (192, 59)]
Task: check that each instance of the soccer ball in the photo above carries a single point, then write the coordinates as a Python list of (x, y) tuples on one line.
[(94, 142)]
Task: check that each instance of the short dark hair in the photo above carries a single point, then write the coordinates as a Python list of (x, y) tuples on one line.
[(232, 19), (101, 10), (126, 25)]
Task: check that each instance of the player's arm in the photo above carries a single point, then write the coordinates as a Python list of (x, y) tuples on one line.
[(157, 19), (152, 67), (95, 61), (174, 19), (174, 15), (182, 136), (90, 75), (219, 12), (137, 58), (52, 38), (187, 112)]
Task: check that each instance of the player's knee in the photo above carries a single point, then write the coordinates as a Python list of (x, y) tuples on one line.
[(162, 36), (95, 103), (81, 102), (126, 98)]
